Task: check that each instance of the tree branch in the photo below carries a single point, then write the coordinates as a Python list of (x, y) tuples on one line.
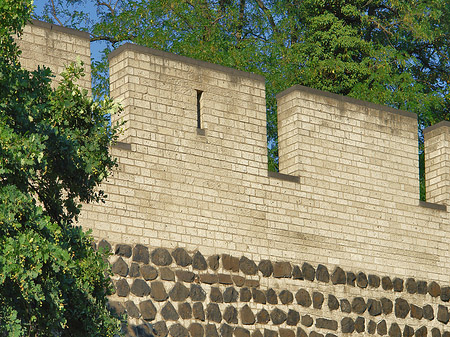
[(54, 13), (267, 12)]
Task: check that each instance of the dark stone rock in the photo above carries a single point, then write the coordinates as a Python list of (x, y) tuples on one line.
[(371, 327), (382, 328), (361, 280), (263, 316), (265, 267), (446, 334), (416, 312), (315, 334), (270, 333), (123, 250), (322, 274), (278, 316), (421, 332), (211, 331), (258, 296), (435, 332), (197, 293), (282, 270), (428, 312), (286, 332), (213, 262), (226, 330), (132, 309), (252, 283), (224, 279), (333, 303), (160, 257), (104, 246), (293, 317), (351, 278), (422, 287), (271, 296), (122, 288), (197, 311), (241, 332), (347, 325), (120, 267), (434, 289), (307, 321), (177, 330), (238, 280), (148, 310), (158, 293), (411, 286), (185, 310), (301, 332), (230, 315), (257, 333), (345, 306), (213, 313), (185, 276), (338, 276), (167, 274), (330, 335), (216, 295), (401, 308), (286, 297), (317, 300), (179, 292), (148, 273), (245, 295), (160, 329), (386, 305), (303, 298), (386, 283), (140, 288), (374, 307), (324, 323), (134, 270), (230, 263), (360, 324), (230, 295), (196, 330), (247, 266), (359, 305), (247, 316), (297, 273), (140, 254), (442, 314), (408, 331), (169, 313), (394, 330), (308, 271), (209, 278), (199, 262), (115, 308), (374, 281), (445, 294), (181, 257), (398, 284)]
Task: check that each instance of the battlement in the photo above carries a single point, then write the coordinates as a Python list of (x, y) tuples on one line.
[(193, 166)]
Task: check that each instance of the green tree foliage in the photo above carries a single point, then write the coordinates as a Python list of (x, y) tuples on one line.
[(53, 155), (392, 52)]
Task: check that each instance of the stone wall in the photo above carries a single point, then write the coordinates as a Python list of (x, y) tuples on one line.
[(188, 294)]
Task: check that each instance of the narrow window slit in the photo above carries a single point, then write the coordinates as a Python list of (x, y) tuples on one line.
[(199, 97)]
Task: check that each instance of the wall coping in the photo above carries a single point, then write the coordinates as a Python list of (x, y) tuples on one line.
[(346, 99), (437, 126), (62, 29), (203, 64)]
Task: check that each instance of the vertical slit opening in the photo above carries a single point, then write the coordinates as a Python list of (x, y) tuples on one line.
[(199, 97)]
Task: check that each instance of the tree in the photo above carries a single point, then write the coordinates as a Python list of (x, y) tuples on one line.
[(392, 52), (53, 155)]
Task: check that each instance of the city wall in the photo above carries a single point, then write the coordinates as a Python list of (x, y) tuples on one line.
[(341, 222)]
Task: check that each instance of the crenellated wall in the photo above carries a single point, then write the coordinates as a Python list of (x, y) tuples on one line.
[(192, 177)]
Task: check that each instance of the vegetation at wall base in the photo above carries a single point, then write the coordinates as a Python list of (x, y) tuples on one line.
[(53, 156)]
